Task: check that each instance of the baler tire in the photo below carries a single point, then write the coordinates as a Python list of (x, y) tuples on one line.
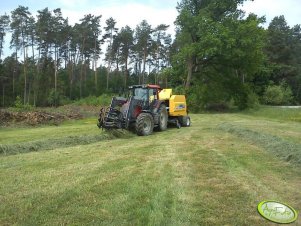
[(185, 121), (144, 124)]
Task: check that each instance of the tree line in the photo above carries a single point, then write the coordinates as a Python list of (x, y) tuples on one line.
[(53, 59), (219, 56)]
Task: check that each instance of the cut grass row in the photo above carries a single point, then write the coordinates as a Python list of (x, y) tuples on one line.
[(286, 150), (22, 140), (208, 174)]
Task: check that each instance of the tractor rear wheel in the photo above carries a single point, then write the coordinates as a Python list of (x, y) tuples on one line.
[(185, 121), (163, 118), (144, 124)]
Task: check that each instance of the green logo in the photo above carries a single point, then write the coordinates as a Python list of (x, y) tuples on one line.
[(277, 212)]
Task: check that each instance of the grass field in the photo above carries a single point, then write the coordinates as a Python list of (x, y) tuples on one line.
[(213, 173)]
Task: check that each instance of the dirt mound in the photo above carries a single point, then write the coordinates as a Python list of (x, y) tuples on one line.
[(34, 117)]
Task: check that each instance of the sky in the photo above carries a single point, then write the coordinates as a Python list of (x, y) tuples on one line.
[(271, 8), (132, 12)]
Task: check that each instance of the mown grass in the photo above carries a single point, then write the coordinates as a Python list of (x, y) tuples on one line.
[(69, 128), (22, 140), (276, 113), (202, 175), (286, 150)]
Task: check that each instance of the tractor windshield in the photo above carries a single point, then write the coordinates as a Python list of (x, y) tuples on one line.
[(141, 93)]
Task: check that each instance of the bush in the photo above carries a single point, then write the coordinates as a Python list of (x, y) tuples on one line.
[(18, 102), (53, 98), (277, 95), (102, 100), (246, 99), (65, 100), (19, 106)]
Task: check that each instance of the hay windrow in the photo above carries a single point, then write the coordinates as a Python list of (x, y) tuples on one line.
[(68, 141), (286, 150)]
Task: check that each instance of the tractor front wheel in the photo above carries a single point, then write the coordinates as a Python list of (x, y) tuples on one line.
[(144, 124)]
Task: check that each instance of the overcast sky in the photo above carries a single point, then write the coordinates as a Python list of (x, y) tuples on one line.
[(132, 12)]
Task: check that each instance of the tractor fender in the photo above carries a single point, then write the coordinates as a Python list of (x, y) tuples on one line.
[(156, 105)]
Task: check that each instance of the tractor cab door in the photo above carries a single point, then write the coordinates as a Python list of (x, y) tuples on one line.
[(153, 95)]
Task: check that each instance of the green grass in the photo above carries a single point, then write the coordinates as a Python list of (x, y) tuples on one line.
[(22, 140), (213, 173), (277, 113), (69, 128), (288, 151)]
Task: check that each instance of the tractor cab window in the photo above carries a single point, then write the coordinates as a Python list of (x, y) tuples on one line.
[(140, 93)]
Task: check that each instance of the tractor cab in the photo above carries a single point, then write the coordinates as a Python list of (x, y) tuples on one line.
[(146, 93)]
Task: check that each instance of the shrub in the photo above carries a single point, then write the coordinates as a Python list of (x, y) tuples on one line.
[(53, 98), (102, 100), (19, 106), (246, 99), (18, 103), (277, 95)]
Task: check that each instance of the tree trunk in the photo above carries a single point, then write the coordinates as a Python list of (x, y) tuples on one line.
[(95, 79), (71, 79), (108, 74), (1, 45), (55, 74), (189, 75), (25, 76), (29, 90), (126, 72), (15, 69), (81, 69), (32, 49), (95, 66), (85, 76), (70, 66), (139, 71), (36, 80), (157, 66), (81, 81), (144, 63), (3, 95)]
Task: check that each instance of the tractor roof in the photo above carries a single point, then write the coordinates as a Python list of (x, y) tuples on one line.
[(145, 86)]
